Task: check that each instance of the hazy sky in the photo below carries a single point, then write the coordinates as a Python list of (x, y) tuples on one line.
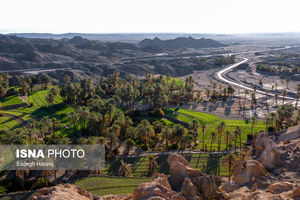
[(189, 16)]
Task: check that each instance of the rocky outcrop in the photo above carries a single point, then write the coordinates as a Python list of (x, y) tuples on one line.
[(244, 193), (190, 184), (226, 187), (249, 171), (180, 169), (267, 152), (296, 193), (280, 187), (207, 186), (63, 191), (291, 133), (158, 188), (190, 191)]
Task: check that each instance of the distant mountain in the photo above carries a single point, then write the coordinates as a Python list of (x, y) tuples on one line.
[(91, 58), (178, 43), (113, 37)]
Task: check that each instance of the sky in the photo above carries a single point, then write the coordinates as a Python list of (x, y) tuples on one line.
[(149, 16)]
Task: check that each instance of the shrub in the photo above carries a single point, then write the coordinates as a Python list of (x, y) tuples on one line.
[(2, 189), (158, 113), (145, 147), (40, 183)]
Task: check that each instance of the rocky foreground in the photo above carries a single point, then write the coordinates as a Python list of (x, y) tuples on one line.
[(272, 172)]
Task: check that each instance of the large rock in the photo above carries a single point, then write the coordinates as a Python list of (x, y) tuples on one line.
[(296, 193), (159, 188), (207, 186), (280, 187), (244, 193), (63, 191), (189, 190), (226, 187), (248, 171), (267, 152), (291, 133), (179, 170)]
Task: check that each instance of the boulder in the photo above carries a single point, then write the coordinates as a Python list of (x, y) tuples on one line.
[(296, 192), (179, 170), (62, 191), (291, 133), (267, 152), (248, 171), (207, 186), (280, 187), (244, 193), (189, 190), (158, 188), (226, 187)]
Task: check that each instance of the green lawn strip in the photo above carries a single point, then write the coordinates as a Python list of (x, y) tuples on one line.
[(8, 123), (11, 100), (42, 97), (212, 122), (110, 185)]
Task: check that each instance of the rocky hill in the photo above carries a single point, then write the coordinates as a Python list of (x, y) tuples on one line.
[(181, 42)]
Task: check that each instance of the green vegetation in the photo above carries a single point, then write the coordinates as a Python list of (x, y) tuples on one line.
[(8, 123), (110, 185), (212, 122), (11, 100), (224, 60)]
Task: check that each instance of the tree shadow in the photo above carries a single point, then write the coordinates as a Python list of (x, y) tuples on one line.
[(51, 111)]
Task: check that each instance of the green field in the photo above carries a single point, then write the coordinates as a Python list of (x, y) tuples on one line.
[(11, 100), (177, 81), (212, 122), (8, 123), (38, 110), (110, 185)]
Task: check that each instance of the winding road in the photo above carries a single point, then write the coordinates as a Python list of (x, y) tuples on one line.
[(221, 76)]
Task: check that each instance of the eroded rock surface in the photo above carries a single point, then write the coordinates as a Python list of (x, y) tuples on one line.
[(63, 191), (180, 168), (158, 188), (267, 152), (249, 171), (291, 133)]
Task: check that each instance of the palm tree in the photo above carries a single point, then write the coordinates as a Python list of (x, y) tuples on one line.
[(220, 130), (227, 134), (284, 93), (212, 139), (236, 134), (203, 127), (267, 93), (152, 164), (129, 144), (229, 161), (178, 133), (21, 175), (288, 79), (297, 96), (125, 169), (194, 126), (167, 132), (273, 115), (246, 93), (276, 99), (46, 174), (252, 126)]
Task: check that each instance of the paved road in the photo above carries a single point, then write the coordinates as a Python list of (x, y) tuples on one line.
[(221, 75)]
